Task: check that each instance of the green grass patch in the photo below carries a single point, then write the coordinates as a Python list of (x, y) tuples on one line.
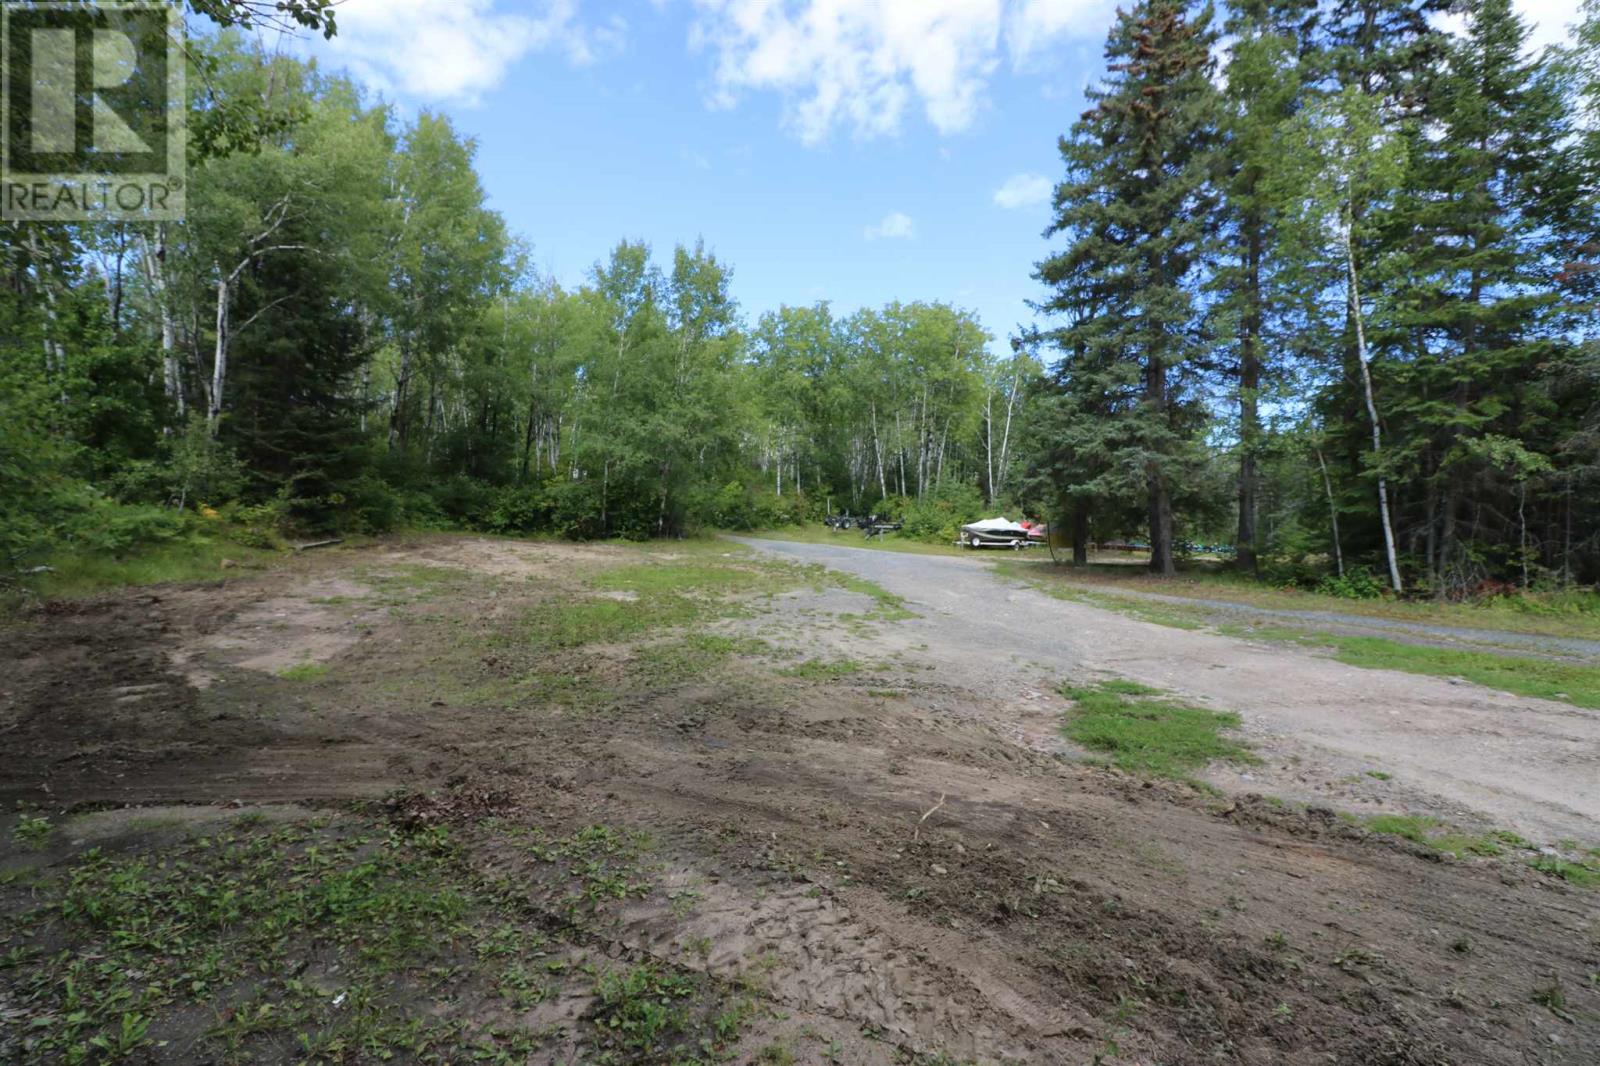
[(1143, 731), (188, 559), (823, 669), (304, 671), (890, 608), (855, 538), (1584, 874), (675, 660), (1171, 615), (1520, 675), (1574, 613), (634, 600), (1435, 834), (571, 623)]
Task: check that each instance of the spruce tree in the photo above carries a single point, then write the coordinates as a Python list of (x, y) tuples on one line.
[(1135, 207), (1263, 89), (1477, 229)]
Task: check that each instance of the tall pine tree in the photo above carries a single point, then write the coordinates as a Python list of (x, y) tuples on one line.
[(1135, 207)]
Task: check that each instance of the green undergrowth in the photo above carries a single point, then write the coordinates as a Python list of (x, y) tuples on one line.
[(347, 939), (1142, 730)]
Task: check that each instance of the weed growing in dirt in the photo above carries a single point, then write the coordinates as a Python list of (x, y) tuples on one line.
[(1551, 996), (595, 866), (348, 940), (1433, 833), (303, 671), (1143, 731), (641, 1008), (824, 670), (1585, 874), (32, 831)]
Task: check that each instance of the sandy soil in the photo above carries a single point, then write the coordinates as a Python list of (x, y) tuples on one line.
[(906, 861)]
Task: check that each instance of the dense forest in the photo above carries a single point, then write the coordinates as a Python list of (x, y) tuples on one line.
[(1319, 284)]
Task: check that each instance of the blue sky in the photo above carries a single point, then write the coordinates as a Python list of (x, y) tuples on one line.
[(856, 151)]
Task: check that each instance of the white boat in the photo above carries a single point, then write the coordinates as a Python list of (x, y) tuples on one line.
[(994, 533)]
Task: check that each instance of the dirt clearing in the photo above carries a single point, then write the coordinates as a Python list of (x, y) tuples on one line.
[(457, 799)]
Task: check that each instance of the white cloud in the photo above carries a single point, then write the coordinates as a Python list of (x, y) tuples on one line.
[(1023, 190), (455, 50), (1548, 20), (864, 64), (1033, 25), (846, 62), (896, 225)]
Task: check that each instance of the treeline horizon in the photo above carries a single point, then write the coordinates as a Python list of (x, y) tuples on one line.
[(1333, 270)]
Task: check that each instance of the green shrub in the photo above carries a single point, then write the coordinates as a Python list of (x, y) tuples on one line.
[(462, 499), (518, 509), (1358, 584), (114, 529), (258, 525), (939, 515), (373, 505), (736, 506), (575, 508)]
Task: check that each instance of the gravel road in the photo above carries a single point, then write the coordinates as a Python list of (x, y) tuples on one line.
[(1323, 728)]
